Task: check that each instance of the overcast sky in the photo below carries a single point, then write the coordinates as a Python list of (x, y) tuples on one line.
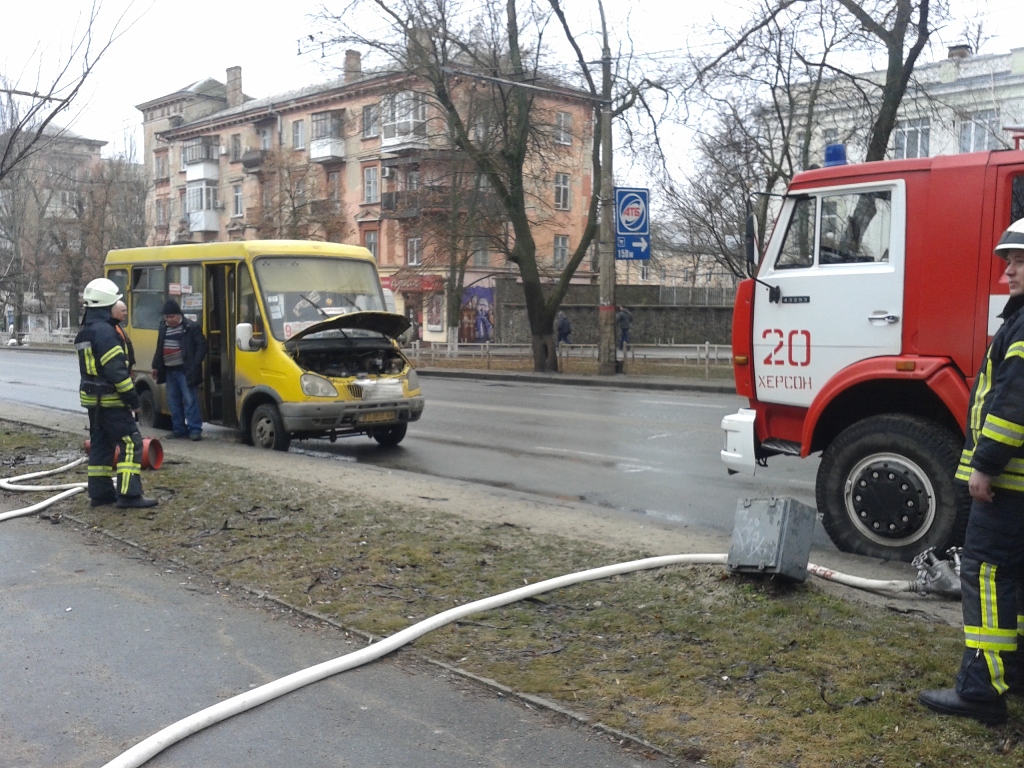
[(172, 43)]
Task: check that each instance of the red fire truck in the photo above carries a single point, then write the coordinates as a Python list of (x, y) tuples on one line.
[(859, 337)]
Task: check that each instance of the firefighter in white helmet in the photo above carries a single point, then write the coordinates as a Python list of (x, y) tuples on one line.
[(992, 466), (107, 392)]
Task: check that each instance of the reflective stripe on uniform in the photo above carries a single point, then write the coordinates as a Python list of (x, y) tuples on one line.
[(984, 384), (1015, 350), (127, 468), (111, 354), (87, 401), (989, 638), (90, 361), (100, 470), (1003, 431), (124, 386)]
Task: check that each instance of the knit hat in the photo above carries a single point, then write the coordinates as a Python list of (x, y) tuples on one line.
[(171, 308)]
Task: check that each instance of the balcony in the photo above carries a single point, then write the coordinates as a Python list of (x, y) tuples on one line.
[(252, 159), (327, 149), (410, 203), (202, 170), (204, 221), (404, 138)]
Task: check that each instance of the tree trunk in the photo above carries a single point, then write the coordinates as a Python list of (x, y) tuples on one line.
[(545, 353)]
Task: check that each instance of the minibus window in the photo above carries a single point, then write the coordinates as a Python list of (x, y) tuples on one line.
[(147, 296), (185, 286), (300, 291), (248, 310)]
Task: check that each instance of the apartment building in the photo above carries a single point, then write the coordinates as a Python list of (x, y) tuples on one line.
[(963, 103), (365, 159), (44, 231)]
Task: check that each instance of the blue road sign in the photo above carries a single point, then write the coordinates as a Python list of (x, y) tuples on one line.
[(632, 224)]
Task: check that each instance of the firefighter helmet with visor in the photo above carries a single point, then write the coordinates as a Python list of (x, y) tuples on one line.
[(101, 292), (1012, 239)]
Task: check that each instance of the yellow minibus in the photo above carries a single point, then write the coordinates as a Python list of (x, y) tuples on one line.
[(300, 340)]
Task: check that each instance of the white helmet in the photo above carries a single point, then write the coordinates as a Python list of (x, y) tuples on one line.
[(1012, 239), (101, 293)]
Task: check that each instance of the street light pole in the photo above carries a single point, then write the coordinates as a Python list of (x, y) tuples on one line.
[(606, 359)]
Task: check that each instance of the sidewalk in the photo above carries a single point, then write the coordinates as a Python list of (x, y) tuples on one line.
[(618, 381)]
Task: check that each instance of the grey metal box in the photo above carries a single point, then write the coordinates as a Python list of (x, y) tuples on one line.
[(772, 536)]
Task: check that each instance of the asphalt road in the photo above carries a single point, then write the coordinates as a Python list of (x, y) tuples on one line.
[(101, 651), (641, 453)]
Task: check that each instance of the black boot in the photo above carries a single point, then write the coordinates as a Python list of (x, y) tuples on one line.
[(948, 702), (135, 502), (102, 501)]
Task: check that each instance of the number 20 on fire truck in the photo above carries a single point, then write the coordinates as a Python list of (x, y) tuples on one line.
[(871, 310)]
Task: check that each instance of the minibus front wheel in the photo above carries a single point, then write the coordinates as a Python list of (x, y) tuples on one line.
[(390, 436), (266, 428)]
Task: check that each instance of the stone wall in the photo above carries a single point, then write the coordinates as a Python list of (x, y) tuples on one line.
[(653, 323)]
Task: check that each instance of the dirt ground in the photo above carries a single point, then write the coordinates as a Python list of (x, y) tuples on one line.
[(490, 505)]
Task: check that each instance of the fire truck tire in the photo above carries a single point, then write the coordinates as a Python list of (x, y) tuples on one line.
[(267, 429), (885, 488)]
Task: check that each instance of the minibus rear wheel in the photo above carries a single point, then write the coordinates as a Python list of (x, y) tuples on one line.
[(267, 429)]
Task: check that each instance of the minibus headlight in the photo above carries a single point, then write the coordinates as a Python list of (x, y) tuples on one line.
[(317, 386), (413, 380)]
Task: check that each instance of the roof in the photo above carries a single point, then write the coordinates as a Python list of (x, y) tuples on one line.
[(208, 87), (238, 249)]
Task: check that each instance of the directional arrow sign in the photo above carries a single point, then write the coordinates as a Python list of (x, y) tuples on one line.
[(632, 224)]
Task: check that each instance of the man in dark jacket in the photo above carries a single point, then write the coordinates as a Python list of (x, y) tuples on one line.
[(992, 466), (178, 363), (107, 392), (623, 320)]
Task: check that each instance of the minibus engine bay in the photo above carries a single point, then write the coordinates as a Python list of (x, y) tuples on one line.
[(345, 356)]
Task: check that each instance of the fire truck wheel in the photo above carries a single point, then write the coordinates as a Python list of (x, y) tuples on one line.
[(267, 429), (885, 488)]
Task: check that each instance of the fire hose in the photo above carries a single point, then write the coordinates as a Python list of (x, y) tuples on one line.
[(934, 576)]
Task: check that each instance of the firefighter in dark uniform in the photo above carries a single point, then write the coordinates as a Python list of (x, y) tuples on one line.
[(106, 390), (992, 466)]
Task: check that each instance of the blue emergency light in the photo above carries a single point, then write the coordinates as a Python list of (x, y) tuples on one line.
[(835, 154)]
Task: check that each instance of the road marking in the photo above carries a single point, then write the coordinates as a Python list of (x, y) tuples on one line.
[(585, 453)]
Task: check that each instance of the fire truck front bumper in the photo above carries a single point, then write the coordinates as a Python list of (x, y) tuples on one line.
[(739, 454)]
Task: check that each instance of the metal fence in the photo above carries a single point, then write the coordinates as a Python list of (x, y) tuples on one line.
[(690, 296)]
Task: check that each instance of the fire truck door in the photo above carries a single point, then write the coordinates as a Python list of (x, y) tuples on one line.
[(838, 263)]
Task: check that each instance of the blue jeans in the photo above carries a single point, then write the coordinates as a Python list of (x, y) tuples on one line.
[(183, 401)]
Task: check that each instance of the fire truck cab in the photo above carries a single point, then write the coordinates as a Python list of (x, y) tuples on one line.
[(871, 310)]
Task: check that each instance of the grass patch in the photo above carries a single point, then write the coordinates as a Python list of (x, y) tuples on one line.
[(728, 670)]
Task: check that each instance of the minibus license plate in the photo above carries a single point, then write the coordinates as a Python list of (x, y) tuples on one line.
[(377, 416)]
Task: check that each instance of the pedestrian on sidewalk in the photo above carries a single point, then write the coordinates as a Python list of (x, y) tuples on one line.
[(623, 321), (563, 328), (178, 363)]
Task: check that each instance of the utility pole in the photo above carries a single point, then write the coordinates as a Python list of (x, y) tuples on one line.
[(606, 358)]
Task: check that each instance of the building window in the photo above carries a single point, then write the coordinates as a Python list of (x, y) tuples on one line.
[(236, 147), (404, 114), (371, 185), (562, 191), (203, 148), (412, 179), (481, 255), (334, 190), (160, 166), (160, 211), (298, 134), (371, 121), (265, 138), (413, 254), (237, 193), (200, 196), (979, 132), (327, 125), (561, 251), (830, 136), (370, 241), (912, 138), (563, 128), (645, 272)]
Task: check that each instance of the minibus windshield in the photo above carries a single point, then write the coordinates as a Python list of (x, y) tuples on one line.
[(300, 291)]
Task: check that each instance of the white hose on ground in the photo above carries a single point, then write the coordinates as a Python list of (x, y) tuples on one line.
[(861, 583), (67, 489), (174, 733)]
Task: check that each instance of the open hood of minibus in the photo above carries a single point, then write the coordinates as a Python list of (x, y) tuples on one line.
[(387, 323)]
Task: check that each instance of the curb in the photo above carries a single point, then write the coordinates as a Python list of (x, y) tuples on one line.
[(618, 381)]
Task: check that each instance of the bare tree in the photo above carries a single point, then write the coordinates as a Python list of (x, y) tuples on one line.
[(299, 200), (497, 51), (27, 111)]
